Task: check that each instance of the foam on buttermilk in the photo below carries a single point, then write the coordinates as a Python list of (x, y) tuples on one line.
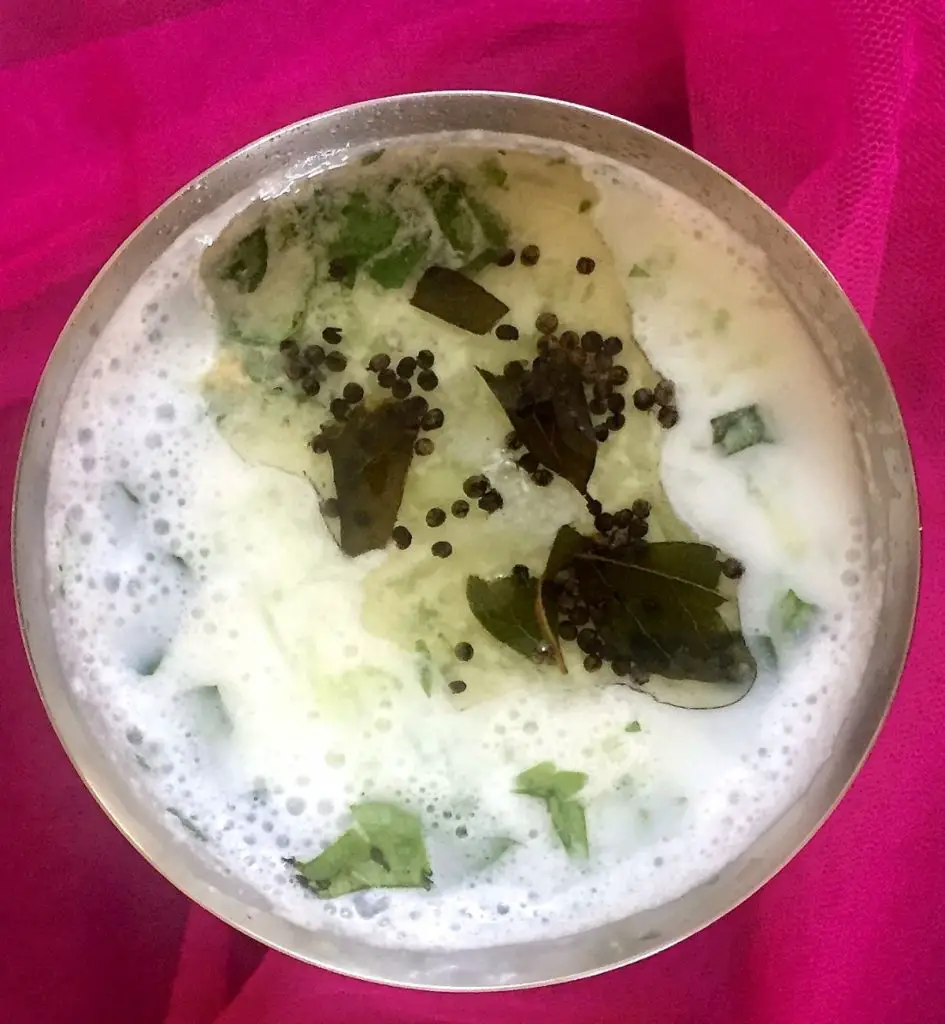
[(160, 538)]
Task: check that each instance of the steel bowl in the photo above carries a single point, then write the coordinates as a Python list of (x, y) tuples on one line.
[(891, 534)]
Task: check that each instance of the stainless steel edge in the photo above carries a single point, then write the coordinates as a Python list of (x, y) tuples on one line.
[(892, 529)]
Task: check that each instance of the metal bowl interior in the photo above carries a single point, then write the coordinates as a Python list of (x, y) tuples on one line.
[(891, 531)]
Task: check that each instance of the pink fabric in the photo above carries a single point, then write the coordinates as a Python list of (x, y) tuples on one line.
[(832, 110)]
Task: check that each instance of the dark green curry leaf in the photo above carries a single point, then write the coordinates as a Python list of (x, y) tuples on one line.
[(383, 850), (739, 429), (248, 260), (367, 229), (659, 608), (392, 269), (547, 407), (558, 789), (451, 296), (447, 197), (370, 457), (494, 230), (661, 611), (506, 608)]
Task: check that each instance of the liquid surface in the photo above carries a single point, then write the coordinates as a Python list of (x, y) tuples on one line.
[(260, 681)]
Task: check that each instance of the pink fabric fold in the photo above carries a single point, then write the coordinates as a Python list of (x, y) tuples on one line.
[(832, 111)]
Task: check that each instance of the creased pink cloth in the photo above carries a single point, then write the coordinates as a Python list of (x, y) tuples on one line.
[(831, 110)]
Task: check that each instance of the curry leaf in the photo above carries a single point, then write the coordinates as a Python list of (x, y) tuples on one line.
[(494, 230), (384, 850), (447, 197), (367, 229), (548, 410), (392, 269), (794, 615), (451, 296), (558, 789), (506, 608), (661, 612), (659, 608), (734, 431), (370, 458), (248, 261), (567, 817)]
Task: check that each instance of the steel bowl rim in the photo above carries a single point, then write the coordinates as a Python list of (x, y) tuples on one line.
[(133, 830)]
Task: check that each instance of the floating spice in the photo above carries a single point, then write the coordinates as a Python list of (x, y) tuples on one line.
[(460, 508), (423, 446), (668, 417), (406, 367), (451, 296), (491, 501), (475, 486), (585, 265), (442, 549), (457, 686), (402, 537), (401, 388), (427, 380), (506, 332), (643, 399), (352, 393), (370, 458), (433, 419), (435, 517), (530, 255), (463, 651), (336, 362), (332, 335), (314, 355), (735, 431), (548, 410), (547, 323), (732, 568), (641, 508), (379, 362)]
